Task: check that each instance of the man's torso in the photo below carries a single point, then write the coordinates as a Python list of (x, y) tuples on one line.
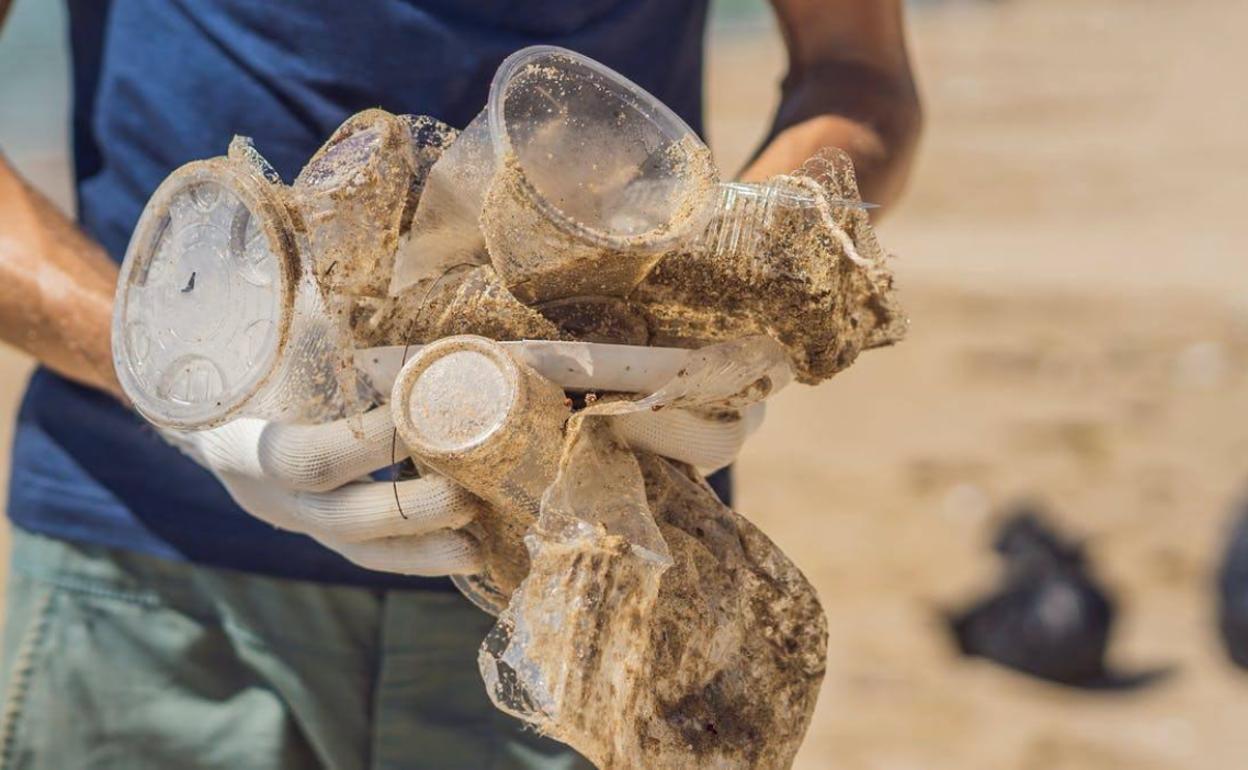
[(158, 83)]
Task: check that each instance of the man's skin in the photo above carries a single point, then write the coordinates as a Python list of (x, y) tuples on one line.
[(849, 85)]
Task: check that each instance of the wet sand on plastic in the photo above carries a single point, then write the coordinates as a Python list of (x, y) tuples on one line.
[(1071, 255)]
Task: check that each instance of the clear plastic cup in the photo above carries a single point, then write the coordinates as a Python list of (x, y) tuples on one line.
[(239, 296), (217, 314), (746, 214), (573, 180)]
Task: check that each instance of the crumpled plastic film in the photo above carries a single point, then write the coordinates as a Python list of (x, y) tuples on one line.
[(657, 628), (466, 300), (353, 196)]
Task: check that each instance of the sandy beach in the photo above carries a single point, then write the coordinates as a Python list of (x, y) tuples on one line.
[(1070, 254), (1071, 259)]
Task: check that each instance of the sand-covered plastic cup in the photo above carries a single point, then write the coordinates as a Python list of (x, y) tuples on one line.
[(465, 407), (218, 315), (747, 214), (573, 181), (352, 196)]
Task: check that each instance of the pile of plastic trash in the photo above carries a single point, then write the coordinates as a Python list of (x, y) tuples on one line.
[(576, 224)]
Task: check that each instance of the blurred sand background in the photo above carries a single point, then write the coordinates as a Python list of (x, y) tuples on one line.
[(1071, 256)]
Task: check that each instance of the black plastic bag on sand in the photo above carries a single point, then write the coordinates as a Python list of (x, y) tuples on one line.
[(1233, 591), (1050, 618)]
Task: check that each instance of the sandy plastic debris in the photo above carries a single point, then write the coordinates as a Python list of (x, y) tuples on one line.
[(467, 409), (639, 620), (655, 627), (780, 259), (217, 313), (572, 181)]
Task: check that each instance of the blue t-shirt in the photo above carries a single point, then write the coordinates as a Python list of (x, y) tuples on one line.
[(158, 83)]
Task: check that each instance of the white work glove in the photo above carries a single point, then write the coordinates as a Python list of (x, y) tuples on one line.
[(313, 479), (706, 443)]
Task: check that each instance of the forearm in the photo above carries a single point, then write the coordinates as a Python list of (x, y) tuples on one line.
[(56, 287), (873, 120), (849, 86)]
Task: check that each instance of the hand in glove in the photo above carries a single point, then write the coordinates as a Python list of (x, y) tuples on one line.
[(313, 479)]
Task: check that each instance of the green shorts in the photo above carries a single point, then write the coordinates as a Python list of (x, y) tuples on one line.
[(118, 660)]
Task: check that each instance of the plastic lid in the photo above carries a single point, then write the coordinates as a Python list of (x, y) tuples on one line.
[(205, 298), (454, 396)]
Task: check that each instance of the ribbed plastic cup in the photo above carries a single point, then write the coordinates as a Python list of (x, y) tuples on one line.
[(217, 315), (465, 408), (745, 213), (577, 178)]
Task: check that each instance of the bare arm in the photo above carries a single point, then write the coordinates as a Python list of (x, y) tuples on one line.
[(56, 287), (849, 85), (56, 284)]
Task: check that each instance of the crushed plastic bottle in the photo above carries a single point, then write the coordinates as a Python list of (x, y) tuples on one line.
[(707, 653)]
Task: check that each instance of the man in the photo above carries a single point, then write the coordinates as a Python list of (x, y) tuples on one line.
[(152, 621)]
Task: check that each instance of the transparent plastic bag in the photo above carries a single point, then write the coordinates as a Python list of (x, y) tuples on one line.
[(657, 628), (643, 623)]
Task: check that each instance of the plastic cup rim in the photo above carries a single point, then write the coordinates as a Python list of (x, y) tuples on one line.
[(427, 356), (638, 96), (260, 201)]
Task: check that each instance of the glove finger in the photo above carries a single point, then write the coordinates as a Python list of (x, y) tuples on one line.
[(381, 509), (267, 502), (707, 443), (445, 552), (322, 457)]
